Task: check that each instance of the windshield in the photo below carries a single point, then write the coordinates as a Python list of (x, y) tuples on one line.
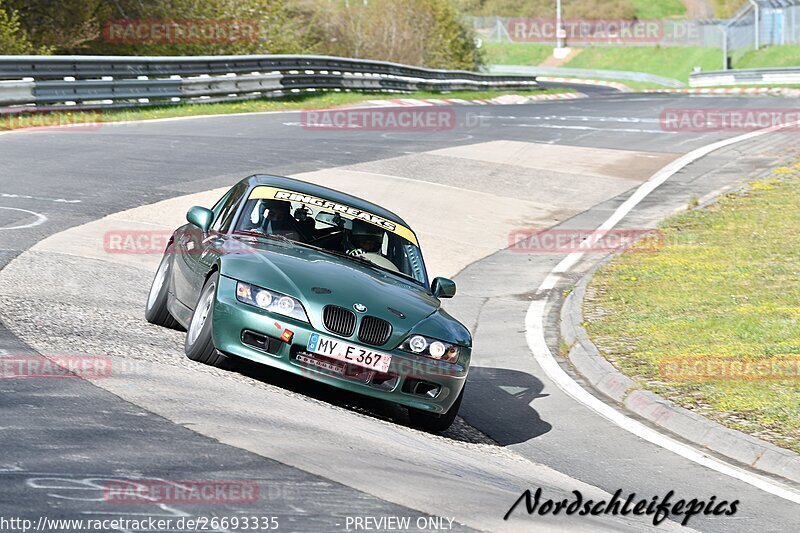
[(335, 229)]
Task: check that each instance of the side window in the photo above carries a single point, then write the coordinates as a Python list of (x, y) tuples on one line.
[(227, 209), (218, 206)]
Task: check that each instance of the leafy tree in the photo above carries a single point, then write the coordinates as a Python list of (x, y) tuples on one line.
[(418, 32), (451, 43), (13, 38), (65, 27), (575, 9), (83, 27), (264, 27)]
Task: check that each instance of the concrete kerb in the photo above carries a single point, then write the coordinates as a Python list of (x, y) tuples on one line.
[(605, 378)]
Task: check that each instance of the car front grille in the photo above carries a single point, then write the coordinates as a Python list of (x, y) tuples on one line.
[(374, 330), (339, 320)]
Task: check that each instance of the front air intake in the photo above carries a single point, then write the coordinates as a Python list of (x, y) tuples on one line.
[(339, 320), (374, 331)]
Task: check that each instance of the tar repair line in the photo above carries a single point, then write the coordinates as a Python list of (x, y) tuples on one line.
[(534, 335)]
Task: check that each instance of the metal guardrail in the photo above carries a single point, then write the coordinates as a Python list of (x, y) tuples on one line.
[(752, 76), (585, 73), (129, 80)]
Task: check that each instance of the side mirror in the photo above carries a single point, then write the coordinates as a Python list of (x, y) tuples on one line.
[(443, 288), (200, 217)]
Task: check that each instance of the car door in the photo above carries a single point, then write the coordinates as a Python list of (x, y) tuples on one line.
[(196, 251)]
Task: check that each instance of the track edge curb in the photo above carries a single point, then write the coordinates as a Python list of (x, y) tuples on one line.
[(605, 378)]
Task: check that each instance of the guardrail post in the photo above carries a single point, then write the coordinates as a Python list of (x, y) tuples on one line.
[(757, 8), (724, 29)]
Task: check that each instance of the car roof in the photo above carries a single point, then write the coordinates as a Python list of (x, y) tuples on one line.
[(323, 192)]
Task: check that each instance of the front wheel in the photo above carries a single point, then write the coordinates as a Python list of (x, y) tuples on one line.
[(156, 311), (432, 422), (199, 344)]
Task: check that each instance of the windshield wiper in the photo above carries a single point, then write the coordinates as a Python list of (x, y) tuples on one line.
[(275, 236), (369, 263)]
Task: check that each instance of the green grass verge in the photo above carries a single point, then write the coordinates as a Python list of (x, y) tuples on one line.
[(305, 101), (753, 86), (517, 53), (671, 62), (649, 9), (726, 8), (674, 63), (770, 56), (635, 85), (725, 285)]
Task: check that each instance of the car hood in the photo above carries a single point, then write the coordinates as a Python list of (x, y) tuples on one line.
[(318, 279)]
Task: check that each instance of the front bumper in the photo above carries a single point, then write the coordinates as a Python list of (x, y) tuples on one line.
[(412, 381)]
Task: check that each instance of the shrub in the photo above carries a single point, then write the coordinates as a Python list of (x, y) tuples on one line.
[(13, 38), (418, 32)]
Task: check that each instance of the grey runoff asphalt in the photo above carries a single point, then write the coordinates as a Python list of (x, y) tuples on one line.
[(151, 162)]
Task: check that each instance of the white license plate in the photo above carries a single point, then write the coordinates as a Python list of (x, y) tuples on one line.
[(348, 353)]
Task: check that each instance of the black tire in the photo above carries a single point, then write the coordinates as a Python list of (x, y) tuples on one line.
[(155, 310), (199, 344), (432, 422)]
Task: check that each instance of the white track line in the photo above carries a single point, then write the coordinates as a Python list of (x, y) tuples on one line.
[(534, 335), (590, 128), (40, 219)]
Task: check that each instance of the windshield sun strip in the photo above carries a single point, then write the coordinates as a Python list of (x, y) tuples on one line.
[(275, 193)]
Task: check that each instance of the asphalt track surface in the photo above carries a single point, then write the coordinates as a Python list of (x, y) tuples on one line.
[(61, 439)]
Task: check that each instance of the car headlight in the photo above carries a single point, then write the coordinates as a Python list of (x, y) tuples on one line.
[(271, 301), (427, 347)]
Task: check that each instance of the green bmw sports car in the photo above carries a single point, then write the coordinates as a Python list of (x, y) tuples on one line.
[(318, 283)]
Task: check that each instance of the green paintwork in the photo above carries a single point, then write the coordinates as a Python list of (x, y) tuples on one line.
[(200, 217), (302, 272), (443, 288)]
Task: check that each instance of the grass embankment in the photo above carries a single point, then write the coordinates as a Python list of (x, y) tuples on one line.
[(673, 62), (726, 8), (725, 288), (676, 63), (516, 53), (660, 9), (770, 56), (306, 101)]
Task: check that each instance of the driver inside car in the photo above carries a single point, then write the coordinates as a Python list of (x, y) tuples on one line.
[(279, 219), (366, 241)]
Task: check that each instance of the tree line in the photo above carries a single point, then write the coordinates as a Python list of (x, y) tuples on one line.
[(419, 32)]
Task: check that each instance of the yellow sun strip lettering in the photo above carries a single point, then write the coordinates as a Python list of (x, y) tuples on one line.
[(274, 193)]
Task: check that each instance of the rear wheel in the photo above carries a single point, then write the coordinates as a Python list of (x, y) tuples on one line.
[(199, 345), (156, 311), (433, 422)]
